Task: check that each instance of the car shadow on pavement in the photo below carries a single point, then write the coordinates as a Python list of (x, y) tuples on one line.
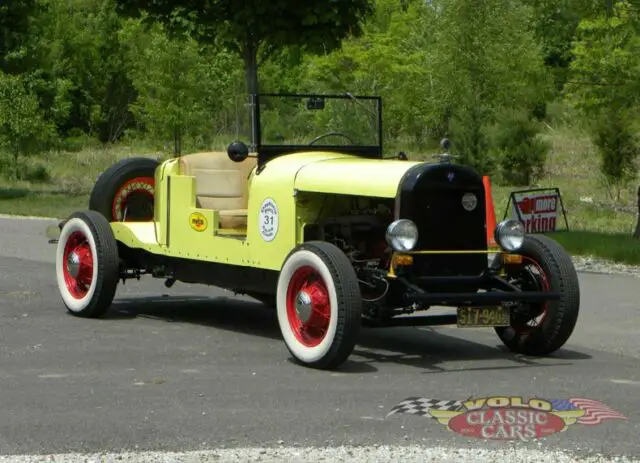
[(431, 349), (437, 349)]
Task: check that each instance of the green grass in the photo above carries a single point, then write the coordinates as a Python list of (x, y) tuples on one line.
[(600, 226), (572, 166), (71, 178), (40, 204), (612, 246)]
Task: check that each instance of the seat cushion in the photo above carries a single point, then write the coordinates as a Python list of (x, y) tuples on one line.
[(233, 218), (221, 184)]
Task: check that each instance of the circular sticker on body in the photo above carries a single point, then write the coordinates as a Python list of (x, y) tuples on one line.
[(268, 219)]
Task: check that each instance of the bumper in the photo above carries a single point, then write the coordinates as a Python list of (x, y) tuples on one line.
[(490, 289), (481, 299)]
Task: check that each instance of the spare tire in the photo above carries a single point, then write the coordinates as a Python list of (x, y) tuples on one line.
[(125, 191)]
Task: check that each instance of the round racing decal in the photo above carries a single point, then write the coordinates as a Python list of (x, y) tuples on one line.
[(198, 221), (268, 219)]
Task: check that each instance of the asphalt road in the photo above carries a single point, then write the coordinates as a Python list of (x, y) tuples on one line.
[(193, 368)]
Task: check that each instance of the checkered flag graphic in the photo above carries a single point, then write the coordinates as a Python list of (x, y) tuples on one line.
[(421, 406)]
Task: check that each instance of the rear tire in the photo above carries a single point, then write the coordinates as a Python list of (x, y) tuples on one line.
[(559, 317), (87, 264), (125, 191), (319, 305)]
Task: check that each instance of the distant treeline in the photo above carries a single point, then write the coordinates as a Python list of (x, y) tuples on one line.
[(485, 73)]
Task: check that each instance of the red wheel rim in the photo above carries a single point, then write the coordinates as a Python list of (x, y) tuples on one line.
[(308, 306), (132, 199), (77, 265), (541, 279)]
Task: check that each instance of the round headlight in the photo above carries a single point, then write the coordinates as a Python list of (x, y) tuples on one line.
[(509, 235), (402, 235)]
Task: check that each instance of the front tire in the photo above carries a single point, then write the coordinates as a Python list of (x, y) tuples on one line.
[(547, 267), (87, 264), (319, 305)]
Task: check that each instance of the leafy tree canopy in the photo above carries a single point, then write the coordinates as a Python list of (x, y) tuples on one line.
[(253, 26), (15, 17)]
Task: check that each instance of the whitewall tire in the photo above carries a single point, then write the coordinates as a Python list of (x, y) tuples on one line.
[(319, 305), (87, 264)]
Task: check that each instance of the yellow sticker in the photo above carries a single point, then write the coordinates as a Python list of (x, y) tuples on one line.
[(198, 221)]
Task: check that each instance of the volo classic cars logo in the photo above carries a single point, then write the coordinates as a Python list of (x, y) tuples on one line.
[(508, 418)]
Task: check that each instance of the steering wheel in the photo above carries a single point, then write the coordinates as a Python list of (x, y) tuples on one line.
[(329, 135)]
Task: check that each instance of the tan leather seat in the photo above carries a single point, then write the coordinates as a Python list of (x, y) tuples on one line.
[(221, 185)]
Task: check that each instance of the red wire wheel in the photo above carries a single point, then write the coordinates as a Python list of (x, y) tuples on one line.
[(87, 264), (78, 265), (539, 329), (319, 305), (308, 306), (134, 200), (125, 192), (538, 281)]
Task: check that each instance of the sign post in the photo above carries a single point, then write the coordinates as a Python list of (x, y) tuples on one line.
[(537, 209)]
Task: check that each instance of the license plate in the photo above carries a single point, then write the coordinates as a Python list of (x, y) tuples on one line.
[(483, 316)]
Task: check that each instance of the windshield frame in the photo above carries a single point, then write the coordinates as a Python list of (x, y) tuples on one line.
[(266, 152)]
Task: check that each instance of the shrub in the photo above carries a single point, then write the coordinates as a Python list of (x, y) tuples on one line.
[(516, 144), (470, 140), (618, 147)]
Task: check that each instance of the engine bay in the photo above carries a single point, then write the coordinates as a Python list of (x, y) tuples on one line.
[(359, 231)]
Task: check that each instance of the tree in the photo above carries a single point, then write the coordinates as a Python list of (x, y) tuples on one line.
[(516, 142), (179, 85), (75, 65), (555, 25), (604, 88), (23, 130), (15, 19), (488, 61), (392, 59), (257, 28)]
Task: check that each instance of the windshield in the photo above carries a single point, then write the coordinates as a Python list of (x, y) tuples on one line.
[(319, 121)]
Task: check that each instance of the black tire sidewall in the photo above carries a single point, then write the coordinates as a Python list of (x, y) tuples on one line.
[(344, 292), (105, 272), (113, 179), (561, 315)]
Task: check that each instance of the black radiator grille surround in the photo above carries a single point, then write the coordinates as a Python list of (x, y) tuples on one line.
[(431, 196)]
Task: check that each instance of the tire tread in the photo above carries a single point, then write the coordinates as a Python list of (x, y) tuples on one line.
[(107, 184), (349, 303), (563, 278)]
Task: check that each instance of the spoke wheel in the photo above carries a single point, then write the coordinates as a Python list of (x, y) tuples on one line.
[(527, 317), (78, 265), (125, 192), (87, 264), (308, 306), (133, 202), (542, 328), (319, 305)]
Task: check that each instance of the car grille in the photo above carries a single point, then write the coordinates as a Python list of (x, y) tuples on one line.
[(444, 224)]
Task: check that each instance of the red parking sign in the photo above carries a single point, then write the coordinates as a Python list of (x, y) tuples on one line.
[(538, 210)]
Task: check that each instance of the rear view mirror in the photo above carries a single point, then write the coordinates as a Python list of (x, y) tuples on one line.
[(315, 103)]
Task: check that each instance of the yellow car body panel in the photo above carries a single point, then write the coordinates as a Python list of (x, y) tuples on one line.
[(182, 230), (350, 175)]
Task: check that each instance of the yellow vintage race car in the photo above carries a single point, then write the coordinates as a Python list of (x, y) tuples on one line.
[(314, 221)]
